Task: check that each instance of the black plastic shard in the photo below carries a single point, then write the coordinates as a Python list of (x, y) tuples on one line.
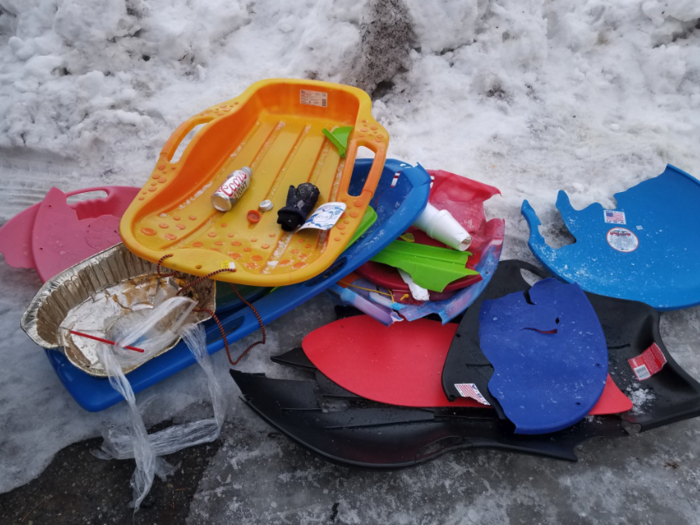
[(384, 436), (330, 389), (350, 430), (296, 358)]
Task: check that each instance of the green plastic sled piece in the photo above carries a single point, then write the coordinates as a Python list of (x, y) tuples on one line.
[(429, 266), (339, 138), (368, 219)]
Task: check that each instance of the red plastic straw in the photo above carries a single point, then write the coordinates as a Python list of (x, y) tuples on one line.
[(81, 334)]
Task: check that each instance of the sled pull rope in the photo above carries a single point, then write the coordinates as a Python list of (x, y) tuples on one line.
[(213, 315)]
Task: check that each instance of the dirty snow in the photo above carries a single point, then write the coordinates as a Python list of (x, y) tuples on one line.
[(640, 397), (530, 96)]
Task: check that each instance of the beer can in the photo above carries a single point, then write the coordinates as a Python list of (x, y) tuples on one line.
[(230, 191)]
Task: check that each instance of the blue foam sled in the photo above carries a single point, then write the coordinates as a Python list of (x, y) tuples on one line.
[(397, 208), (549, 355), (647, 249)]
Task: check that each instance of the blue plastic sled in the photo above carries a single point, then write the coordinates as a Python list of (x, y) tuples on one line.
[(647, 249), (397, 208), (549, 355)]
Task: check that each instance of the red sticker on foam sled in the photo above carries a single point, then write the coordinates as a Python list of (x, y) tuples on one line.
[(402, 364), (648, 363)]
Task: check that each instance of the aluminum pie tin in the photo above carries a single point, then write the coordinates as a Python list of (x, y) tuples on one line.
[(111, 283)]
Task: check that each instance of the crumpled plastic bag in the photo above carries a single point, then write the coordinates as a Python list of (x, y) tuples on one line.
[(147, 331)]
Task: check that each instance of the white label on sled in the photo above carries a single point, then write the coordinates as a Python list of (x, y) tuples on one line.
[(313, 98), (614, 217), (622, 240), (325, 216)]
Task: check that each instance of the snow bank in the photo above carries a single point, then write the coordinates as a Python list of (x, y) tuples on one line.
[(527, 95)]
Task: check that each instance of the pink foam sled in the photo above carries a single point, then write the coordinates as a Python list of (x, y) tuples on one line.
[(53, 235)]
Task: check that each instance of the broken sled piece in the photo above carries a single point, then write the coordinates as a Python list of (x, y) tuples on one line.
[(464, 199), (646, 249), (363, 433), (54, 234), (630, 329), (385, 436), (549, 355)]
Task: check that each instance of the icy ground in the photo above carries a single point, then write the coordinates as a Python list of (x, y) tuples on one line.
[(530, 96)]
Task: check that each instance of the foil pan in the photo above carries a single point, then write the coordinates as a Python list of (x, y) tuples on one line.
[(111, 283)]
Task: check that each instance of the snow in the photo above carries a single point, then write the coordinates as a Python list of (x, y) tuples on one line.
[(639, 397), (530, 96)]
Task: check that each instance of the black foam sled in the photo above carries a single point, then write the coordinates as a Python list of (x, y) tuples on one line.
[(630, 328), (349, 430), (384, 436)]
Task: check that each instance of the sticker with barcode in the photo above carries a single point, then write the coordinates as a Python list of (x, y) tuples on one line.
[(648, 363), (313, 98), (642, 372), (228, 265)]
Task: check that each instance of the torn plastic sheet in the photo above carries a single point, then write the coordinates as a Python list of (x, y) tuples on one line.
[(417, 292), (148, 329), (136, 442)]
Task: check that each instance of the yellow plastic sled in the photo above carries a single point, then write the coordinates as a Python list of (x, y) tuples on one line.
[(276, 128)]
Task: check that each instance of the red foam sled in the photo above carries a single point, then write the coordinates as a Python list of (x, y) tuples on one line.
[(53, 235), (464, 199), (402, 364)]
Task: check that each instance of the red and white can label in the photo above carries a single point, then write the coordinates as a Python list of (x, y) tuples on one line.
[(235, 185), (648, 363)]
